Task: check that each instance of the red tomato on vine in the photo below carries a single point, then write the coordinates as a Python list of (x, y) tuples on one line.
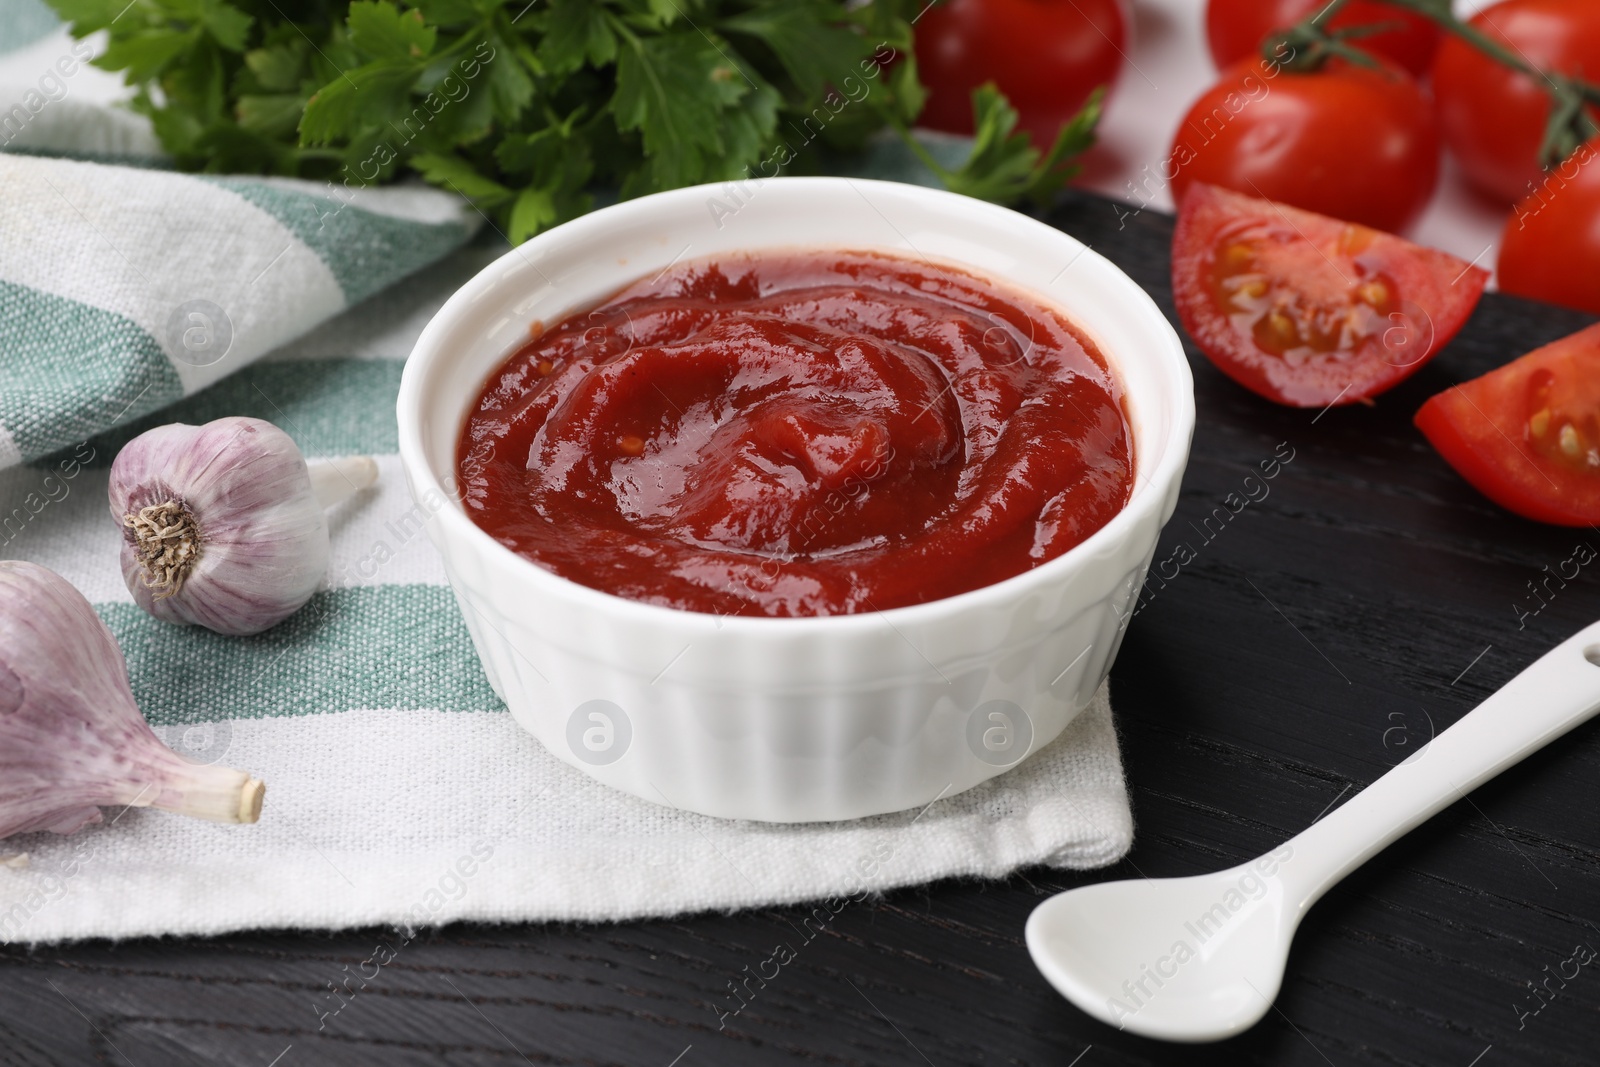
[(1358, 143), (1551, 247), (1493, 117), (1236, 28)]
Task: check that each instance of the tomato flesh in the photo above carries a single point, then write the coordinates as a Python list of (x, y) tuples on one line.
[(1308, 310), (1527, 435)]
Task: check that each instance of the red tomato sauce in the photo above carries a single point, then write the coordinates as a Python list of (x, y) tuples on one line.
[(799, 433)]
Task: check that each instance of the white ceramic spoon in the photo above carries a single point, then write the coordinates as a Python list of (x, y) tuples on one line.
[(1201, 958)]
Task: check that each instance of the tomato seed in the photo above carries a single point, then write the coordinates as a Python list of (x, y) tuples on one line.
[(1374, 293), (1570, 443)]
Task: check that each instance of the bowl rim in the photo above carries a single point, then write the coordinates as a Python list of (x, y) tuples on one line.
[(1148, 494)]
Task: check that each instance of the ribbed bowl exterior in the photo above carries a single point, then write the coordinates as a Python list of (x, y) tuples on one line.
[(794, 720)]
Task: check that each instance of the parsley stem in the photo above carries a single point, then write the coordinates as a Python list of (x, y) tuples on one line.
[(918, 149)]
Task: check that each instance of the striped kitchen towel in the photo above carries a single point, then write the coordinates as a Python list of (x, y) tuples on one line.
[(125, 287), (400, 792)]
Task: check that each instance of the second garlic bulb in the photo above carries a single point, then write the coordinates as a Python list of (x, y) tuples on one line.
[(223, 524)]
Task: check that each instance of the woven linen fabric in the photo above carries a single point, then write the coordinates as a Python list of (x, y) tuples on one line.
[(400, 791), (124, 288)]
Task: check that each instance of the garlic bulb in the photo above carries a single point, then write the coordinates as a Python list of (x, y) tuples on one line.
[(223, 524), (71, 736)]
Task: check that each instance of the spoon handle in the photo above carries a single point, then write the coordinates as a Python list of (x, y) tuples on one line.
[(1559, 691)]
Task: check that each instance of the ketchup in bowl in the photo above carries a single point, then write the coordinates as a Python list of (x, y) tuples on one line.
[(799, 433)]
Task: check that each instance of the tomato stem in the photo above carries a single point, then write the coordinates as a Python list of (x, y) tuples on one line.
[(1570, 122)]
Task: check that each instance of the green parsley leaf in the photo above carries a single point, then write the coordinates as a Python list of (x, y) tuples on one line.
[(348, 103), (459, 176), (379, 30), (87, 16), (280, 67), (270, 114), (144, 55), (1004, 164), (532, 211), (447, 13), (673, 89), (510, 86), (227, 25), (527, 107), (816, 52), (575, 33)]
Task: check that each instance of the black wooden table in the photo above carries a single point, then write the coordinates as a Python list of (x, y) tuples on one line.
[(1313, 640)]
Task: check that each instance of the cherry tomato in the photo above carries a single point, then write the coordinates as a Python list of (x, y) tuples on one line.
[(1047, 56), (1551, 247), (1492, 117), (1236, 28), (1353, 142), (1528, 435), (1308, 310)]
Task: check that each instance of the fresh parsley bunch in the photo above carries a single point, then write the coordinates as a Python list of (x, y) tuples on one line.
[(525, 106)]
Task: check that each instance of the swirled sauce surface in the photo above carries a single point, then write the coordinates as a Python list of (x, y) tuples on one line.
[(799, 433)]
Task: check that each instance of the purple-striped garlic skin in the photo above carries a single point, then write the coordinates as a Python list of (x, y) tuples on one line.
[(221, 527), (71, 737)]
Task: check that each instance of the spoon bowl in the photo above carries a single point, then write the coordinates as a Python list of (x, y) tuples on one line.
[(1202, 958), (1184, 959)]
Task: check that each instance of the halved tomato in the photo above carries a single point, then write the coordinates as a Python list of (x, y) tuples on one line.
[(1528, 435), (1308, 310)]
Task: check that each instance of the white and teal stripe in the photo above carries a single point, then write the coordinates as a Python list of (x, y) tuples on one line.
[(98, 262)]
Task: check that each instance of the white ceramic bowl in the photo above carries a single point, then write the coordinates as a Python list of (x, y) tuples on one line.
[(794, 720)]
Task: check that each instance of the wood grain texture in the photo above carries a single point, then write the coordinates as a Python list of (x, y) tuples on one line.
[(1316, 639)]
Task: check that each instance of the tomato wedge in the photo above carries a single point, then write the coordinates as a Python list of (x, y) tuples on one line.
[(1528, 435), (1308, 310)]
